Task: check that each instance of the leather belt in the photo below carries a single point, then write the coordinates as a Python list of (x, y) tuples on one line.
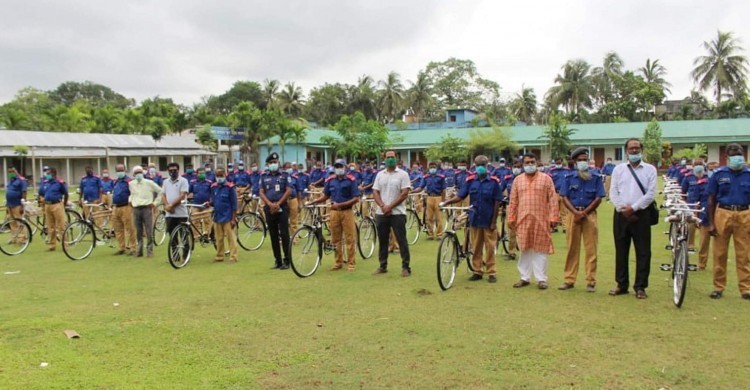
[(733, 207), (122, 204), (431, 195), (46, 202)]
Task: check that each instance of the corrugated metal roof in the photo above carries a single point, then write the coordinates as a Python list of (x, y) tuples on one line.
[(677, 132), (52, 144)]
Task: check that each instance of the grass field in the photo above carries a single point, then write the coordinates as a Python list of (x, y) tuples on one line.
[(146, 325)]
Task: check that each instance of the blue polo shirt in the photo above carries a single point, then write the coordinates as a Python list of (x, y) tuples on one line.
[(15, 190), (482, 196), (274, 185), (241, 178), (201, 190), (450, 177), (341, 189), (434, 184), (416, 179), (582, 192), (607, 169), (318, 174), (293, 185), (303, 181), (121, 192), (55, 190), (158, 179), (368, 178), (254, 178), (461, 177), (224, 199), (90, 187), (697, 191), (107, 185), (558, 177), (732, 188)]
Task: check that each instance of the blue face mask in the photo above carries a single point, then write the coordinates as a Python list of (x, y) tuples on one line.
[(516, 171), (340, 171), (481, 170), (221, 180), (699, 170), (582, 165), (47, 176), (736, 162), (529, 169), (634, 158), (273, 167), (432, 171)]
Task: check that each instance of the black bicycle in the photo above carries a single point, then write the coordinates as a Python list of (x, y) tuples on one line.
[(307, 244), (182, 239), (367, 233), (451, 251), (80, 237), (251, 225)]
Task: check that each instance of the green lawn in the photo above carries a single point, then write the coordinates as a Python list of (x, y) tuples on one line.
[(144, 324)]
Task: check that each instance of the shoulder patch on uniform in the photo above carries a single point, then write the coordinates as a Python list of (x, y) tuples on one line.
[(351, 177), (61, 181), (471, 177), (329, 178), (215, 185), (495, 179), (441, 175)]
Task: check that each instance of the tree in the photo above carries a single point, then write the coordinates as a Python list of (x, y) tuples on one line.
[(362, 97), (359, 137), (157, 128), (653, 72), (391, 97), (723, 68), (21, 151), (241, 91), (449, 148), (327, 104), (490, 142), (205, 137), (248, 117), (420, 96), (523, 105), (270, 93), (456, 83), (692, 153), (557, 134), (652, 143), (574, 87), (291, 100), (96, 95), (297, 132), (109, 119)]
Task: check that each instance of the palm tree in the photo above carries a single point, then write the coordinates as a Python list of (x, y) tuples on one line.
[(363, 97), (391, 97), (291, 100), (723, 69), (298, 131), (524, 105), (654, 73), (574, 88), (420, 94), (604, 77), (270, 92)]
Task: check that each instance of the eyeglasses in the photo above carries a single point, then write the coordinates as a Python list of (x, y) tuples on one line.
[(172, 170)]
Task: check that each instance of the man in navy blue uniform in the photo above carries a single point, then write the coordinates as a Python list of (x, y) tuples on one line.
[(108, 186), (154, 175), (189, 174), (485, 196), (303, 182), (344, 194), (729, 217), (241, 177), (55, 199), (275, 189), (502, 170), (15, 195), (434, 184), (91, 190), (223, 198), (294, 205), (200, 189), (696, 187), (582, 192), (557, 173), (607, 170), (210, 174), (122, 215)]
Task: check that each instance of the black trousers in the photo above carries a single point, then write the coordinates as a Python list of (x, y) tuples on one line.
[(384, 225), (278, 226), (640, 234)]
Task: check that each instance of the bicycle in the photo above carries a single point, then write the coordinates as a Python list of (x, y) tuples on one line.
[(451, 251), (367, 232), (80, 237), (12, 233), (182, 240), (307, 244), (251, 225), (503, 236), (414, 224), (681, 215)]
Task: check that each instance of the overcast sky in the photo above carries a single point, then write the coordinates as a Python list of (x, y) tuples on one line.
[(188, 49)]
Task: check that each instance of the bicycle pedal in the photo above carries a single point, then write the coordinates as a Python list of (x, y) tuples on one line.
[(692, 267), (668, 247), (691, 250), (665, 267)]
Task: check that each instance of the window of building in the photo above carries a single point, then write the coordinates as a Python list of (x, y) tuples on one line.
[(453, 118), (162, 163), (618, 154), (144, 161)]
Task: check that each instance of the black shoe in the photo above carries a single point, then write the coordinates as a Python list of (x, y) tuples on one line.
[(618, 291), (283, 267), (475, 277), (492, 279), (716, 295), (746, 296), (276, 266)]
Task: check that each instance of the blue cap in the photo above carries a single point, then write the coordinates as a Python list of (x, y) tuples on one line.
[(241, 163), (272, 156), (339, 161)]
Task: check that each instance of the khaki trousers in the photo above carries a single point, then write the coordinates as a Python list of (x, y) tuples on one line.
[(202, 220), (434, 217), (293, 215), (732, 224), (224, 230), (563, 213), (55, 217), (122, 223), (17, 212), (588, 231), (483, 243), (607, 183), (343, 226), (107, 199), (705, 244)]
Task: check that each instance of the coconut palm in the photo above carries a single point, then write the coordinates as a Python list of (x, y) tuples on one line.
[(291, 100), (604, 77), (574, 87), (420, 94), (391, 97), (363, 97), (270, 92), (654, 73), (524, 105), (723, 68)]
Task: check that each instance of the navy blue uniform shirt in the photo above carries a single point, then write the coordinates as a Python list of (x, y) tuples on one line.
[(90, 187), (108, 185), (201, 190), (341, 189), (582, 192), (482, 193), (697, 191), (121, 192), (55, 190), (434, 184), (224, 199), (15, 189), (732, 188), (274, 184)]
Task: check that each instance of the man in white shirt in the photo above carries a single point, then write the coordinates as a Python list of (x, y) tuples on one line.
[(174, 191), (632, 218), (390, 190)]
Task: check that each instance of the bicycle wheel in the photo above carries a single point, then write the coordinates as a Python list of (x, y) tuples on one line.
[(503, 237), (447, 261), (448, 217), (367, 237), (180, 246), (680, 273), (307, 251), (468, 254), (78, 240), (160, 228), (251, 231), (15, 236), (72, 216), (413, 227)]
